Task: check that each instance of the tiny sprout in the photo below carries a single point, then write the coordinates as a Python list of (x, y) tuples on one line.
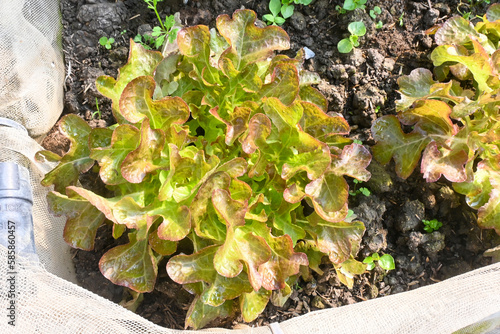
[(340, 10), (385, 261), (431, 225), (363, 190), (97, 112), (106, 42), (375, 11)]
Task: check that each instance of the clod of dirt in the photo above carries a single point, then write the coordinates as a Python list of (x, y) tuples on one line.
[(415, 239), (103, 18), (424, 41), (356, 58), (449, 198), (380, 181), (322, 8), (431, 17), (90, 75), (370, 212), (298, 21), (145, 29), (433, 242), (413, 213), (389, 64), (333, 94), (317, 302), (375, 57), (443, 8), (429, 199), (368, 98), (340, 72)]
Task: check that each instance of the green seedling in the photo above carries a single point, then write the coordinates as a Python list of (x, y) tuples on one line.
[(106, 42), (340, 10), (123, 32), (377, 109), (431, 225), (363, 190), (375, 11), (279, 12), (385, 261), (373, 14), (97, 112), (354, 4), (401, 20), (357, 29)]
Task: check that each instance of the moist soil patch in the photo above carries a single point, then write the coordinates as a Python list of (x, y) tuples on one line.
[(360, 85)]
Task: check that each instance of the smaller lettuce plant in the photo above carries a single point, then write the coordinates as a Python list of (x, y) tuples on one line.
[(217, 145), (455, 124), (357, 29)]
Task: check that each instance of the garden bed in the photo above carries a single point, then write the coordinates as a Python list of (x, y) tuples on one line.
[(360, 85)]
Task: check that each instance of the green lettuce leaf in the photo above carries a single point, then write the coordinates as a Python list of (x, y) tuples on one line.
[(140, 62), (75, 161), (132, 265)]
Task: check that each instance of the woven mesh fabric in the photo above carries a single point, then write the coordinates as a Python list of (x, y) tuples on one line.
[(31, 66), (47, 300), (53, 252)]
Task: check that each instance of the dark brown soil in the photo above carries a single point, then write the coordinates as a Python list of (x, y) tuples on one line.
[(362, 86)]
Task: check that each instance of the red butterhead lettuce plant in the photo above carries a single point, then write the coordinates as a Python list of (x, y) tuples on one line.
[(455, 125), (218, 143)]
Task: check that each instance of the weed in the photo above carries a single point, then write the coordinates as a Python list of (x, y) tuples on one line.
[(166, 30)]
